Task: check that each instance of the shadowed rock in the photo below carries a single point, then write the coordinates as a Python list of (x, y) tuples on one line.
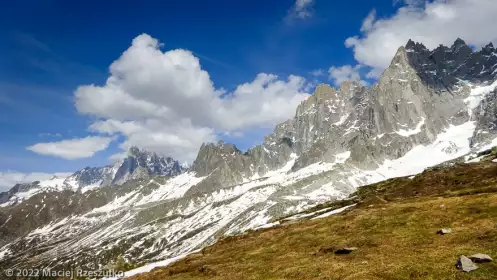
[(480, 258), (345, 250), (444, 231)]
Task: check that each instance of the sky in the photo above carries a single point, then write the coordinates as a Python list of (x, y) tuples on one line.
[(82, 81)]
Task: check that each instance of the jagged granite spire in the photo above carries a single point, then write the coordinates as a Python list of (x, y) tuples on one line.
[(412, 102)]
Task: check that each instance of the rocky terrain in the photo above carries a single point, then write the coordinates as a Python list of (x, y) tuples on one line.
[(428, 107)]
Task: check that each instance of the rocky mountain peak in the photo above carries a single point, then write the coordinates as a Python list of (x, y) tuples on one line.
[(211, 156), (134, 151), (142, 163), (488, 49), (350, 85), (458, 43), (412, 46), (324, 91), (400, 57)]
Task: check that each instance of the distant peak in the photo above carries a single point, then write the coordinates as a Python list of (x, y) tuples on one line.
[(322, 91), (459, 42), (220, 145), (227, 146), (349, 84), (134, 150), (489, 46), (410, 44), (323, 87), (413, 46)]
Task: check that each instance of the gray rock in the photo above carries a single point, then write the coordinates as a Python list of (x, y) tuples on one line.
[(444, 231), (345, 250), (465, 264), (480, 258)]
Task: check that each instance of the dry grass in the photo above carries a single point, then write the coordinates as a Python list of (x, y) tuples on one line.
[(394, 228)]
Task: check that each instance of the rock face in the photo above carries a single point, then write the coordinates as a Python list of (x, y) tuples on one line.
[(428, 107), (420, 95), (465, 264)]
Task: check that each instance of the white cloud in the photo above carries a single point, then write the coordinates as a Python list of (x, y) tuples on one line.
[(165, 102), (72, 148), (302, 9), (439, 22), (9, 178), (266, 101), (410, 2), (368, 22), (345, 73), (179, 140), (317, 73), (48, 134)]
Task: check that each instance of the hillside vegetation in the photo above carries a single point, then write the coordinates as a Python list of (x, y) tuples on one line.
[(394, 227)]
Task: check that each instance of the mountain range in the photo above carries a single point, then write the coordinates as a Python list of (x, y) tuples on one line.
[(428, 107), (137, 164)]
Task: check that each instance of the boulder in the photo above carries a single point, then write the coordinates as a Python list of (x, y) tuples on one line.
[(345, 250), (444, 231), (480, 258), (465, 264)]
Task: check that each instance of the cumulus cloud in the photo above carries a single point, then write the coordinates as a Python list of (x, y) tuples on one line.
[(72, 148), (302, 9), (9, 178), (165, 102), (345, 73), (179, 140), (432, 23)]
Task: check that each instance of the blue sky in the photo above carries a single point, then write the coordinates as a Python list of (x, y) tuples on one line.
[(49, 49)]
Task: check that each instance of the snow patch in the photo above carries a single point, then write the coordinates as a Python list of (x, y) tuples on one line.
[(342, 120), (333, 212), (342, 157), (452, 143), (477, 94), (150, 266), (407, 133)]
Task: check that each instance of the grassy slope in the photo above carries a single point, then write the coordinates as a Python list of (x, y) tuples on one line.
[(394, 226)]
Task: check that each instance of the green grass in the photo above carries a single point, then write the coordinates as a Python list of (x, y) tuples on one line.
[(394, 226)]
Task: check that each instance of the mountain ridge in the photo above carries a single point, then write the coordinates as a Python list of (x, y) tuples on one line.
[(136, 165)]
